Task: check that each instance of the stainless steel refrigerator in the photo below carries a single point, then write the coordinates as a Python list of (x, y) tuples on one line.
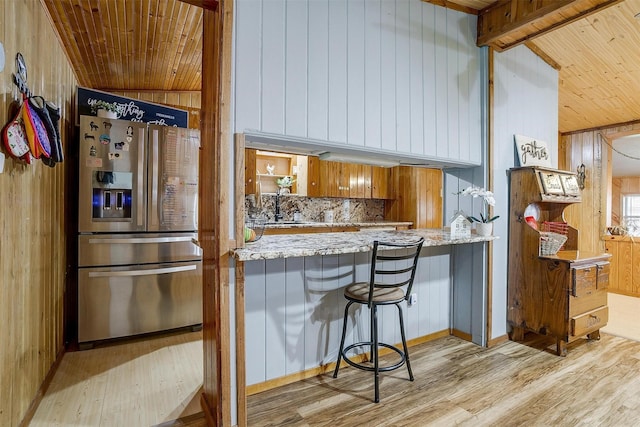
[(139, 264)]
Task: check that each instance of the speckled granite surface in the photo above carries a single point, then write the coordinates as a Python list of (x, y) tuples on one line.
[(367, 224), (298, 245)]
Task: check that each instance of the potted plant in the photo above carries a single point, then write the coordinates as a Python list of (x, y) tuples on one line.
[(104, 109), (284, 184), (484, 225)]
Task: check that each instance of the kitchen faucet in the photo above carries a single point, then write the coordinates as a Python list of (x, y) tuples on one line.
[(278, 215)]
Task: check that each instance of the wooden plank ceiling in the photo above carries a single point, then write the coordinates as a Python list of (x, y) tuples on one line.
[(155, 45)]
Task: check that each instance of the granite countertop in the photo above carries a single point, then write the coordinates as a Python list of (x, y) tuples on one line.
[(309, 224), (298, 245)]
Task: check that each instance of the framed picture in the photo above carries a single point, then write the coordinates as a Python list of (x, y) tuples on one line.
[(570, 185), (551, 183)]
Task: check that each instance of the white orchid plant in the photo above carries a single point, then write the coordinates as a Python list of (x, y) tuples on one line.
[(487, 198)]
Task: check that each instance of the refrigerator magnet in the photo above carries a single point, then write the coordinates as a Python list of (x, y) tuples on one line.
[(92, 151), (107, 125), (123, 146), (105, 139), (130, 131), (94, 162), (94, 126)]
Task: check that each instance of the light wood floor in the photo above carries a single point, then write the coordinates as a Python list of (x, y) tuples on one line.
[(143, 382), (154, 381), (624, 318), (459, 383)]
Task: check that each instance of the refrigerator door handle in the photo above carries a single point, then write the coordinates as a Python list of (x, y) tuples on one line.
[(154, 147), (150, 272), (142, 240), (140, 212)]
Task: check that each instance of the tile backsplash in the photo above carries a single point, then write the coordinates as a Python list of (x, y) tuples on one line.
[(312, 208)]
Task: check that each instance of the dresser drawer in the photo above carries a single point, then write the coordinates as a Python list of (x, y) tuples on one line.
[(586, 303), (583, 280), (589, 321)]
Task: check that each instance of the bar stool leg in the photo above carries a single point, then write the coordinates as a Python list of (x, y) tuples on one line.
[(344, 333), (376, 367), (404, 343)]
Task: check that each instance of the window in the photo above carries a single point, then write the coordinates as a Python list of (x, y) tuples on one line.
[(631, 213)]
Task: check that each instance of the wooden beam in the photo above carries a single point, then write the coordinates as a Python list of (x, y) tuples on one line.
[(453, 6), (205, 4), (213, 192), (509, 23)]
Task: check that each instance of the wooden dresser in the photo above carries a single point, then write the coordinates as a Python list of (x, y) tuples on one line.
[(562, 295)]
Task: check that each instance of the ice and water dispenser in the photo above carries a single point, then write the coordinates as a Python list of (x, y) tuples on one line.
[(112, 195)]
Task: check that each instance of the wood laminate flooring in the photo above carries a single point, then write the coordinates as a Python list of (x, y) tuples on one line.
[(623, 316), (156, 381), (459, 383), (134, 383)]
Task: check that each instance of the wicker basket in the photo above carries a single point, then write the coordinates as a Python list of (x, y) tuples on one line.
[(555, 227), (550, 242), (253, 229)]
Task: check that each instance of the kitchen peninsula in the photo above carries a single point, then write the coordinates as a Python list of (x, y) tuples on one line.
[(289, 299)]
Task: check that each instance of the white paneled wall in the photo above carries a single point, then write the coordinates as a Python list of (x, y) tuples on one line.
[(525, 103), (400, 75), (294, 309)]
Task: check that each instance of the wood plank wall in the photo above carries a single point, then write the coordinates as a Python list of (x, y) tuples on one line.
[(588, 148), (32, 219), (396, 75)]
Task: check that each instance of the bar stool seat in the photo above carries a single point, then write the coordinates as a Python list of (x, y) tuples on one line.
[(390, 283)]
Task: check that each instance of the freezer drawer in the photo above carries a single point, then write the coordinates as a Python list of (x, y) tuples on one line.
[(126, 249), (122, 301)]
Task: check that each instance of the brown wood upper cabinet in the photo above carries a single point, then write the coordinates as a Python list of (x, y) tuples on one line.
[(249, 171), (320, 178), (353, 180), (417, 196)]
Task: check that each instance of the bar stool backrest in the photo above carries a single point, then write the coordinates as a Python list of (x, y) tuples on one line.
[(393, 265)]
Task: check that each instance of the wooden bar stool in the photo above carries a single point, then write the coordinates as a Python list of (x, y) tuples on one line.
[(393, 268)]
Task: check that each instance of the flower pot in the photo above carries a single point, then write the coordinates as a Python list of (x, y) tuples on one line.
[(106, 114), (484, 228)]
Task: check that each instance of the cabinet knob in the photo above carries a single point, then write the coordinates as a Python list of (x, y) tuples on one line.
[(249, 180)]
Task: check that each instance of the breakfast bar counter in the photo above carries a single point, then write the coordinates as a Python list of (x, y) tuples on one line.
[(305, 245)]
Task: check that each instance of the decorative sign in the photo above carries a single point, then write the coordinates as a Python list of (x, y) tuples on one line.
[(532, 152), (132, 109), (570, 185), (551, 183)]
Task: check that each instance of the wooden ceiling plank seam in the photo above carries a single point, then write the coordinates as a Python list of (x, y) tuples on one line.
[(115, 37), (70, 49), (152, 36), (73, 38), (159, 63), (81, 35), (167, 45), (102, 28), (177, 44), (193, 47), (94, 44), (130, 26), (145, 47), (183, 41)]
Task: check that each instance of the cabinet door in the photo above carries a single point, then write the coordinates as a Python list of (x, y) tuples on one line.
[(379, 182), (330, 178), (249, 171), (313, 178), (357, 177)]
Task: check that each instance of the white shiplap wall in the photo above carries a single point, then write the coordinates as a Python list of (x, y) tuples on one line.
[(525, 103), (294, 309), (400, 75)]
